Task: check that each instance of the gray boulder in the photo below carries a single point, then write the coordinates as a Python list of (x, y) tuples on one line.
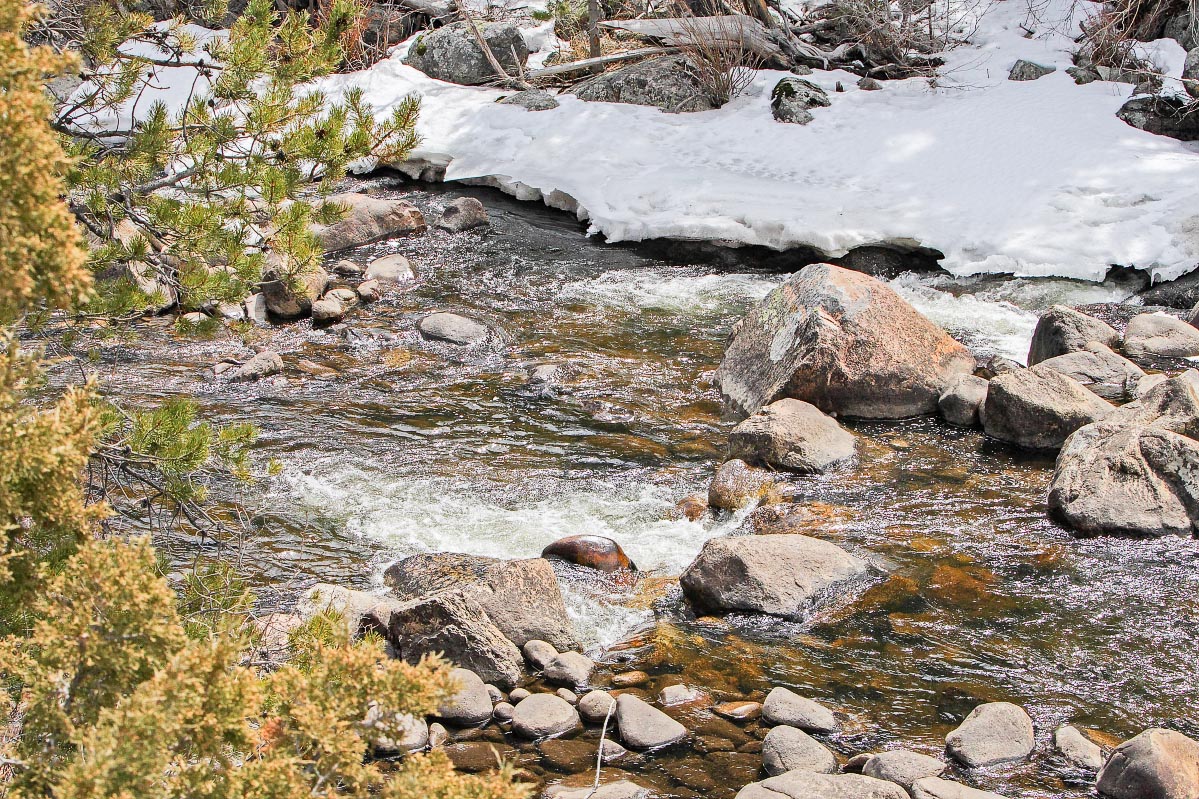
[(594, 706), (671, 83), (452, 53), (1157, 764), (812, 785), (902, 767), (503, 711), (643, 726), (292, 297), (328, 310), (1162, 115), (791, 434), (522, 598), (453, 624), (1100, 370), (539, 653), (1184, 29), (783, 706), (394, 268), (544, 715), (1062, 329), (1027, 70), (532, 100), (781, 575), (368, 219), (788, 749), (462, 214), (962, 401), (256, 309), (264, 364), (995, 732), (843, 341), (1074, 747), (1038, 408), (792, 99), (1160, 335), (470, 705), (936, 788), (453, 329), (569, 668)]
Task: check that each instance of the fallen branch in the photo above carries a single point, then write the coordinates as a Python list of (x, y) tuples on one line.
[(741, 31), (496, 67), (588, 63)]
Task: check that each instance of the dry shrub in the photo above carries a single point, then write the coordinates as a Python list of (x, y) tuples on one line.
[(1110, 36), (717, 48)]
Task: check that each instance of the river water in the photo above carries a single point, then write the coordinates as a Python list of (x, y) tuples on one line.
[(411, 446)]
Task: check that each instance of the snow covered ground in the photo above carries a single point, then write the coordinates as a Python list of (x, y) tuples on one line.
[(1033, 178)]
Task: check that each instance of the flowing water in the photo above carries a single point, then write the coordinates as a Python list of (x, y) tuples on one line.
[(411, 446)]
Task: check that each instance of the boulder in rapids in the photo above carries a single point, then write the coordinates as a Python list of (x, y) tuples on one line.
[(1157, 764), (937, 788), (995, 732), (1076, 749), (591, 551), (813, 785), (394, 268), (1062, 329), (791, 434), (780, 575), (1159, 334), (843, 341), (520, 597), (453, 329), (462, 214), (902, 767), (738, 485), (1038, 408), (368, 219), (784, 706)]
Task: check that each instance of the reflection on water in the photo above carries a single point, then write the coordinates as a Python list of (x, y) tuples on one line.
[(417, 447)]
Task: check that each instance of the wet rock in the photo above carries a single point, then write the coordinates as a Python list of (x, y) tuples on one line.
[(470, 705), (622, 789), (902, 767), (1027, 70), (792, 99), (936, 788), (569, 668), (453, 329), (264, 364), (738, 711), (783, 706), (788, 749), (393, 268), (454, 624), (692, 508), (671, 83), (680, 695), (738, 485), (1162, 335), (520, 597), (571, 756), (1163, 115), (643, 726), (1133, 473), (531, 100), (594, 706), (812, 785), (292, 298), (567, 695), (791, 434), (843, 341), (369, 219), (1061, 330), (591, 551), (543, 715), (368, 291), (452, 53), (347, 268), (995, 732), (630, 679), (503, 711), (781, 575), (1076, 749), (1157, 764), (395, 733), (327, 310), (784, 518), (539, 653), (474, 757), (464, 213), (1100, 370), (962, 401), (361, 612), (256, 309), (1039, 408)]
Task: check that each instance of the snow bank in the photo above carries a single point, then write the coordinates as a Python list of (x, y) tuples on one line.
[(1032, 178)]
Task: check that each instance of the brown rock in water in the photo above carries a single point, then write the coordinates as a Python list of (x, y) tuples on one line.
[(844, 342), (691, 508), (738, 711), (737, 485), (592, 551)]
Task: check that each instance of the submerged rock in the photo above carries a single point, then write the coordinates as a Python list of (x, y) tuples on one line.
[(788, 749), (781, 575), (452, 53), (843, 341), (1157, 764), (591, 551), (792, 99), (369, 219), (791, 434), (1061, 330), (1038, 408), (811, 785), (453, 329), (264, 364), (671, 83), (995, 732)]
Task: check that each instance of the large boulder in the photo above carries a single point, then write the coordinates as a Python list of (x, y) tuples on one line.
[(1134, 472), (1062, 329), (452, 53), (453, 624), (812, 785), (1100, 370), (522, 598), (368, 219), (1038, 408), (1158, 334), (464, 213), (643, 726), (453, 329), (785, 707), (843, 341), (1157, 764), (995, 732), (781, 575), (795, 435), (1163, 115), (671, 83), (788, 749)]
